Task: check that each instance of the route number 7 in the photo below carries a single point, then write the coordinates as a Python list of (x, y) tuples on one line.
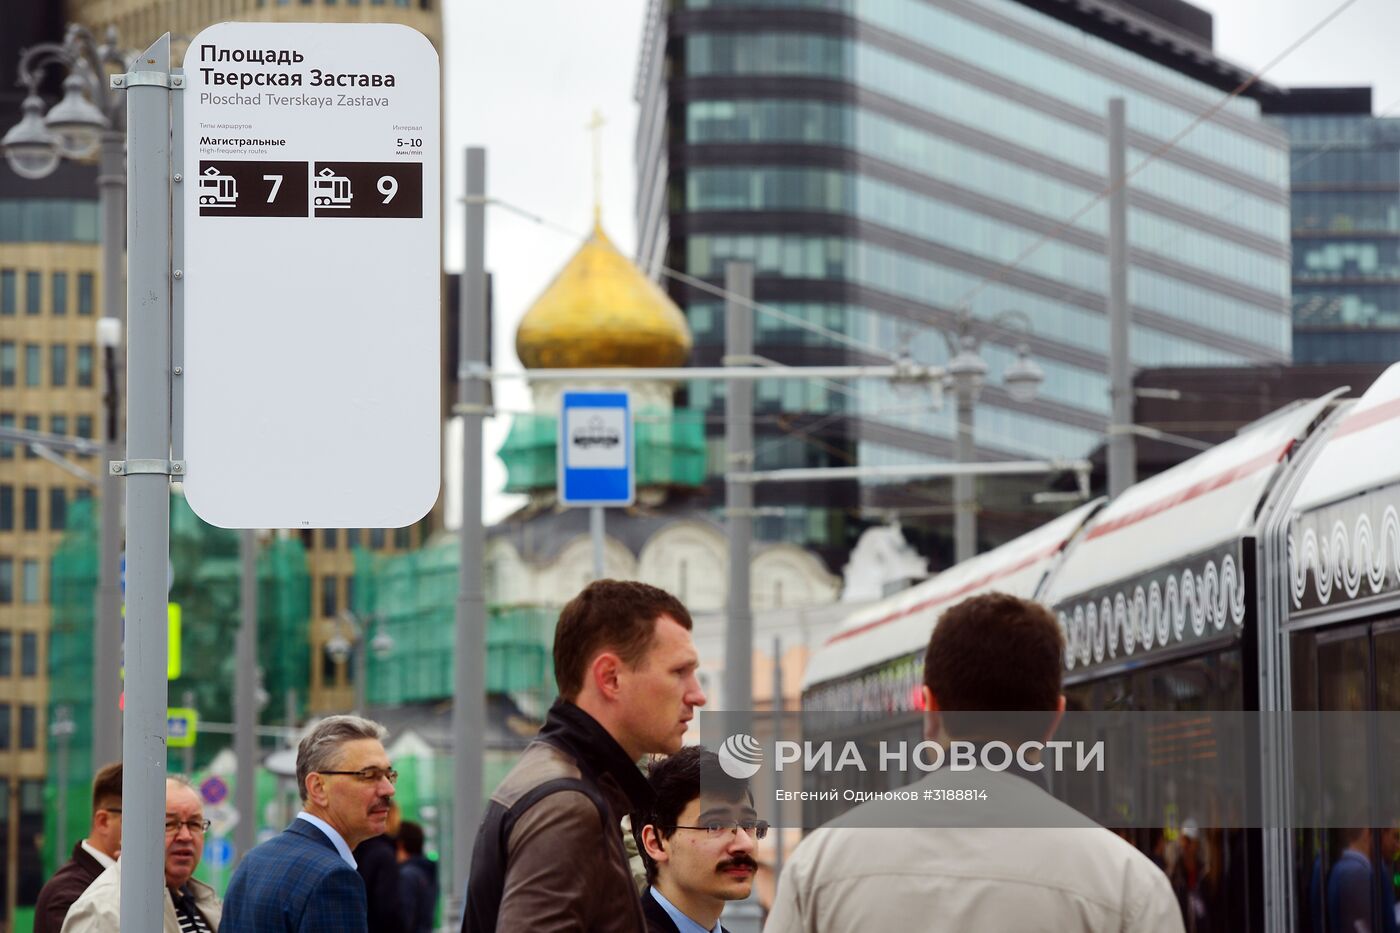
[(276, 184)]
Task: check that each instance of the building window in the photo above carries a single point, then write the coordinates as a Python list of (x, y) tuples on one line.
[(403, 538), (7, 581), (58, 508), (31, 797), (7, 507), (58, 364), (330, 596), (33, 364), (28, 727), (84, 429), (29, 654), (31, 508), (7, 652), (7, 450), (8, 362), (352, 538), (5, 739), (330, 538), (350, 593), (328, 666), (31, 423), (33, 292), (58, 424), (85, 293), (9, 292), (84, 365), (376, 538), (59, 283), (29, 582)]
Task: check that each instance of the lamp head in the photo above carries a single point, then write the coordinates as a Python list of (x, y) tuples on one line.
[(29, 147), (967, 370), (1023, 377), (75, 121)]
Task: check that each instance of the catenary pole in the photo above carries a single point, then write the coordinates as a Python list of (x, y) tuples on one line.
[(147, 470), (106, 654), (245, 715), (469, 699), (738, 497), (1122, 466)]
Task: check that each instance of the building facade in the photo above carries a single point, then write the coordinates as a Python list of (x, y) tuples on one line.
[(1346, 227), (886, 164)]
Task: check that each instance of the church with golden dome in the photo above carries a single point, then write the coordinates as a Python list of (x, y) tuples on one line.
[(601, 312)]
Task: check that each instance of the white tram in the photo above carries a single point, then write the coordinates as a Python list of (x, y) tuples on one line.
[(1261, 575)]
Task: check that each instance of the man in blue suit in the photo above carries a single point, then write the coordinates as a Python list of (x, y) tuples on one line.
[(304, 881)]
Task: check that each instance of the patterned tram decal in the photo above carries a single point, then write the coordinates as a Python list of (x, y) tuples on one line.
[(1169, 607)]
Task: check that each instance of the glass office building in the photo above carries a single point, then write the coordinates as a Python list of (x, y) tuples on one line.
[(884, 163), (1346, 227)]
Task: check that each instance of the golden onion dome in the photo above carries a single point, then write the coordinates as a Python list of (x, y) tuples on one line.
[(601, 311)]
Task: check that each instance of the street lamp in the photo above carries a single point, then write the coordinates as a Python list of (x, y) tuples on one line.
[(61, 729), (966, 374), (90, 118), (340, 646)]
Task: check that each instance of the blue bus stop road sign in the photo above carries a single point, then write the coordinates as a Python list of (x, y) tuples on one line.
[(596, 456), (218, 852)]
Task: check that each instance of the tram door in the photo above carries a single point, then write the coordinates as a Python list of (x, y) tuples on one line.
[(1347, 876)]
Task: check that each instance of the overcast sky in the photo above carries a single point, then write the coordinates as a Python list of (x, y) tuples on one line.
[(523, 79)]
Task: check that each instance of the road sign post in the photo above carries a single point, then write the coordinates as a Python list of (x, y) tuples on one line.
[(312, 272)]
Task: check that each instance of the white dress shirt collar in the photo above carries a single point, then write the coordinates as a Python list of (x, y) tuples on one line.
[(332, 835)]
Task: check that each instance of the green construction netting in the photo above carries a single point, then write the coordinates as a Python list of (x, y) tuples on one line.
[(670, 450), (206, 586), (412, 599)]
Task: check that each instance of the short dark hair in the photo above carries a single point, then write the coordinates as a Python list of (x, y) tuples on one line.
[(616, 615), (995, 652), (676, 780), (411, 837), (107, 786)]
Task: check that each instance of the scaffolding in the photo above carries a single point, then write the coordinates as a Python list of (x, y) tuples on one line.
[(205, 584)]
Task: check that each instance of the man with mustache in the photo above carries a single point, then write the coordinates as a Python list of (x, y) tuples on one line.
[(549, 855), (304, 881), (191, 907), (698, 847)]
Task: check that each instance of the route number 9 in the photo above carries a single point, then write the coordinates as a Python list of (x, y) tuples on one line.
[(388, 186)]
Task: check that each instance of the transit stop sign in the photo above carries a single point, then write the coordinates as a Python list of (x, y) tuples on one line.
[(181, 727), (311, 202), (596, 459)]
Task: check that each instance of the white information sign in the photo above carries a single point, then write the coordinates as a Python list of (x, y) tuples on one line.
[(311, 275)]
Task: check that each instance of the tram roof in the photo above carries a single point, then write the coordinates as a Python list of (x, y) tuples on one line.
[(1361, 451), (902, 624), (1209, 500)]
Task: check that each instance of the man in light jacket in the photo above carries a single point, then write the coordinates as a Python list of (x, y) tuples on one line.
[(988, 653), (190, 906)]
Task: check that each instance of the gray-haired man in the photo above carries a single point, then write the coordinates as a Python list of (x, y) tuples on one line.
[(304, 881)]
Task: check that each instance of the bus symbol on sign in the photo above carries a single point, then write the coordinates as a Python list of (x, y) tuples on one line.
[(332, 190), (217, 189), (596, 433)]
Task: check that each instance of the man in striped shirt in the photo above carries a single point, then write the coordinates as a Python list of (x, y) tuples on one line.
[(191, 906)]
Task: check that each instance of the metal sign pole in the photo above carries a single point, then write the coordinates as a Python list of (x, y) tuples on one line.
[(147, 470), (597, 530), (469, 658)]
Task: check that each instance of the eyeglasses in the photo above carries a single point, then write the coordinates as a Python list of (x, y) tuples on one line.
[(755, 828), (370, 775), (196, 827)]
